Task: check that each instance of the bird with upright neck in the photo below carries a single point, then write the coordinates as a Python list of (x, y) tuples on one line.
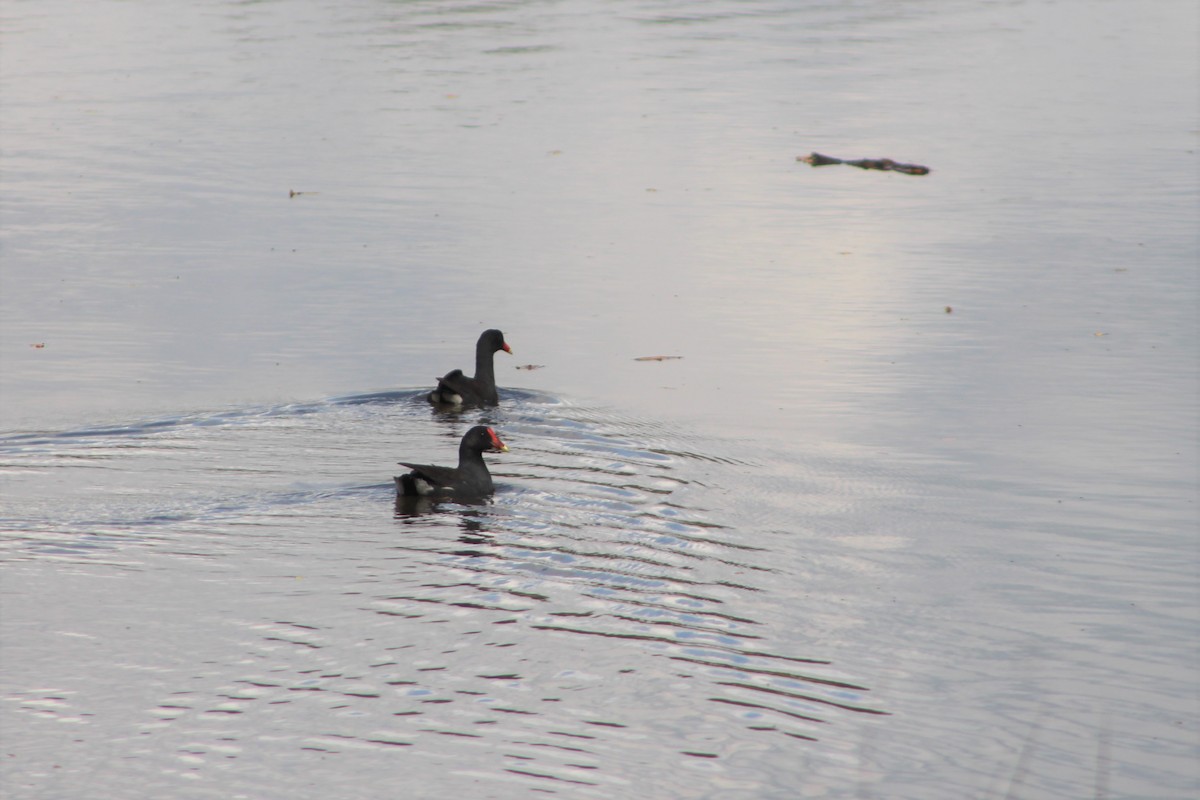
[(454, 389)]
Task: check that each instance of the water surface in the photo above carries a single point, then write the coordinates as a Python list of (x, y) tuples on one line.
[(914, 515)]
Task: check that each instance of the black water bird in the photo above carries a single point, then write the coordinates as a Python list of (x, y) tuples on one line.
[(469, 479), (455, 389)]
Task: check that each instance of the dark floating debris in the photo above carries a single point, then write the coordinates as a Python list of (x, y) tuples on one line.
[(530, 366), (658, 358), (885, 164), (294, 193)]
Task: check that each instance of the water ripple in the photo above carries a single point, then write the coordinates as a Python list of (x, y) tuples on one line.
[(595, 603)]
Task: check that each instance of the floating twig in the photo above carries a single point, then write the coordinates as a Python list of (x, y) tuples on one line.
[(885, 164), (658, 358)]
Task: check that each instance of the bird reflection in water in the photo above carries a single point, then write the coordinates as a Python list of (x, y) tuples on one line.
[(472, 517)]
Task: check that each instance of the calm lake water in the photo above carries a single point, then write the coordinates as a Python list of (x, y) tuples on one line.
[(914, 514)]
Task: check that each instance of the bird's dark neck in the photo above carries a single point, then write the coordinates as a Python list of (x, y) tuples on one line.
[(484, 369), (470, 459)]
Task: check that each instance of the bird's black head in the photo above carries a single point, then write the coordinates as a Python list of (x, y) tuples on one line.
[(493, 340), (482, 439)]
